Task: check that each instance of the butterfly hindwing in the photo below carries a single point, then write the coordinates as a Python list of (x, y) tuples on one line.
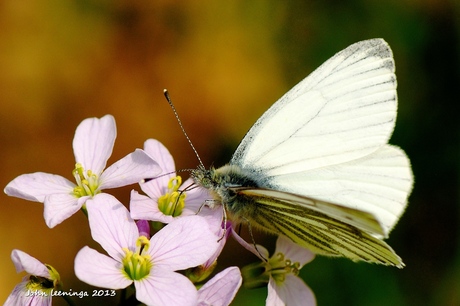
[(357, 218), (315, 230)]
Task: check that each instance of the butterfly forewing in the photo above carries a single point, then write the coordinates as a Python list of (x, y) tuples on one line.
[(317, 167), (342, 111)]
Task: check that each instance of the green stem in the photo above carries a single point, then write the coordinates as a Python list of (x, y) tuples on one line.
[(69, 300)]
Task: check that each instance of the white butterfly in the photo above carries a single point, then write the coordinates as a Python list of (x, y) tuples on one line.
[(317, 166)]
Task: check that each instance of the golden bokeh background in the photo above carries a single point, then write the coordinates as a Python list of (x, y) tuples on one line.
[(225, 63)]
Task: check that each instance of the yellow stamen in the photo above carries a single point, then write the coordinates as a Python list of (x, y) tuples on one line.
[(173, 201)]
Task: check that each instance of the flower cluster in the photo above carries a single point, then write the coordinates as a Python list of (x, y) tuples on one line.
[(170, 267)]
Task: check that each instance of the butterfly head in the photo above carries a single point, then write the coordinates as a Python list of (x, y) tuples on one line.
[(204, 177)]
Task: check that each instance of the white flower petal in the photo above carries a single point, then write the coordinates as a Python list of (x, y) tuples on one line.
[(144, 208), (186, 242), (161, 155), (132, 168), (293, 251), (221, 289), (24, 262), (36, 186), (100, 270), (163, 287), (293, 292), (93, 142), (111, 225), (59, 207)]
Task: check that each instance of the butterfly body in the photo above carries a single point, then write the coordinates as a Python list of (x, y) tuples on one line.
[(317, 167)]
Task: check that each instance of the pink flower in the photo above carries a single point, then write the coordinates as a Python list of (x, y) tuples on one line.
[(150, 264), (165, 198), (92, 145), (281, 270), (37, 286)]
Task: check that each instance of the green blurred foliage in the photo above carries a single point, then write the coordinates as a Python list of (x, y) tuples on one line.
[(224, 63)]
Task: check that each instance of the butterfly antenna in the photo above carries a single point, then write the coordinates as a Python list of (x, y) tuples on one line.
[(166, 93), (156, 177)]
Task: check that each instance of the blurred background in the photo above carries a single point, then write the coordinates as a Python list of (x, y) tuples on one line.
[(224, 64)]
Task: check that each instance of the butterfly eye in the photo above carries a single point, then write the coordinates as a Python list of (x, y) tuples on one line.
[(206, 182)]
